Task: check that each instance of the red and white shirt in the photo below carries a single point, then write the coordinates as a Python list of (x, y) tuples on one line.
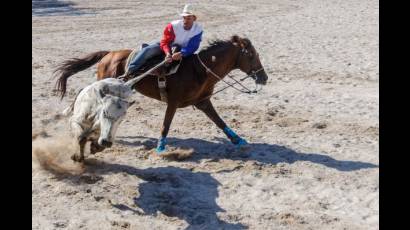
[(175, 33)]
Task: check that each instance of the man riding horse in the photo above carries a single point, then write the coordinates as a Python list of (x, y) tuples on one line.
[(194, 81), (185, 33)]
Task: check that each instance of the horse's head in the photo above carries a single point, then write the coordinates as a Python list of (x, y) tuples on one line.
[(248, 60)]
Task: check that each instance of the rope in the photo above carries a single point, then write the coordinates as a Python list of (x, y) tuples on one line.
[(136, 79), (229, 84), (233, 84)]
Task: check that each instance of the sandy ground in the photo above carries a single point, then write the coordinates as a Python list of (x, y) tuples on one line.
[(313, 130)]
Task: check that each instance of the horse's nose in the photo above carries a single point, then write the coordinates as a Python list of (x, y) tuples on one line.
[(105, 143), (261, 81), (262, 78)]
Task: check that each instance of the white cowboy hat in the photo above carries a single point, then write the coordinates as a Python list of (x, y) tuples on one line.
[(187, 10)]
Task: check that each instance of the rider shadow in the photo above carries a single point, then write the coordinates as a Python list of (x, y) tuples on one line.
[(260, 152), (172, 191)]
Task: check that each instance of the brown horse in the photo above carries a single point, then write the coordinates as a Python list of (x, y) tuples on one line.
[(192, 84)]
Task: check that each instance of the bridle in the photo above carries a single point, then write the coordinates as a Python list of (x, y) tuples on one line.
[(252, 74)]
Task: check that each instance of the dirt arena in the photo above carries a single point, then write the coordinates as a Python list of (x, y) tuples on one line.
[(313, 129)]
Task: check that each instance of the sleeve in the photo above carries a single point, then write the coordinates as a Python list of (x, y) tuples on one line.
[(192, 46), (167, 38)]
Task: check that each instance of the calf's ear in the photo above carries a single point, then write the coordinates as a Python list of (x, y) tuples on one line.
[(102, 92)]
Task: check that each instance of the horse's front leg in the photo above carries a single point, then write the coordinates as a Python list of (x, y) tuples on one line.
[(207, 107), (169, 115)]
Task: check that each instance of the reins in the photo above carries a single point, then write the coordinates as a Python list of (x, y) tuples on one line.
[(247, 90)]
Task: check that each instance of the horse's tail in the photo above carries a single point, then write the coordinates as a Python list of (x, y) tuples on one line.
[(73, 66)]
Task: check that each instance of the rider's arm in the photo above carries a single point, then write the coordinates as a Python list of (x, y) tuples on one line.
[(192, 46), (167, 38)]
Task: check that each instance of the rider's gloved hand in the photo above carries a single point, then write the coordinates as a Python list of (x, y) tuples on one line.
[(168, 58), (177, 56)]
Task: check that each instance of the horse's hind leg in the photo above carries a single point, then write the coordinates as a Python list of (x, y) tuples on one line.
[(207, 107), (169, 115)]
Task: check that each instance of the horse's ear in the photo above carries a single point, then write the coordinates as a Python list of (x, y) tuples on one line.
[(244, 43), (235, 39)]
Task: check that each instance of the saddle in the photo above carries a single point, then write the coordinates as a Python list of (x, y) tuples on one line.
[(161, 73), (167, 69)]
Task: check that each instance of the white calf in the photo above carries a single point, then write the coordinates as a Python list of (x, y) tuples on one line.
[(97, 112)]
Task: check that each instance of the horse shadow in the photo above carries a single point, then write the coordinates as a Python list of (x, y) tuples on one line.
[(191, 196), (53, 7), (180, 193), (172, 191), (261, 152)]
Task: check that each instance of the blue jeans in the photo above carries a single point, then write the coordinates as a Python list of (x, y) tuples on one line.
[(143, 55)]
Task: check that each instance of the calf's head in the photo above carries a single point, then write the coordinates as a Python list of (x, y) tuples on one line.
[(112, 112)]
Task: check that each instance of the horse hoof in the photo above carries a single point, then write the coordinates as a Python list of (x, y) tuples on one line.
[(161, 145), (242, 144), (160, 149)]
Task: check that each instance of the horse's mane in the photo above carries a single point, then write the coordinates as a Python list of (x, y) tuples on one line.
[(216, 44)]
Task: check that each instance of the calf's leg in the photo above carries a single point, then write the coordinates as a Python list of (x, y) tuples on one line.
[(81, 136), (95, 147), (80, 157)]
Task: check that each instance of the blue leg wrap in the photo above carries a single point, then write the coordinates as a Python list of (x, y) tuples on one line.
[(235, 139), (229, 132), (161, 145)]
